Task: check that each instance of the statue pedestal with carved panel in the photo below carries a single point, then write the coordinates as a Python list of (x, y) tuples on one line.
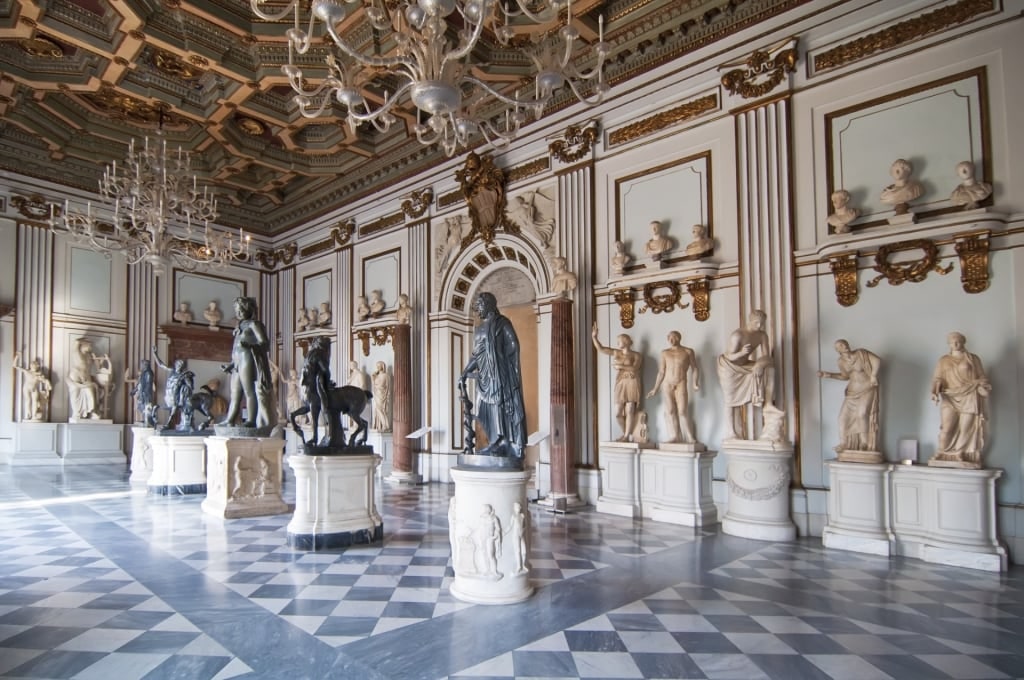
[(179, 465), (243, 477), (335, 501), (675, 484), (489, 532), (758, 474), (142, 455)]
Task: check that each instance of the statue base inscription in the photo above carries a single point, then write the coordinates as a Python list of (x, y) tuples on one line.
[(335, 504)]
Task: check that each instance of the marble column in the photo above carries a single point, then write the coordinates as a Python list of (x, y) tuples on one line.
[(563, 404), (403, 468)]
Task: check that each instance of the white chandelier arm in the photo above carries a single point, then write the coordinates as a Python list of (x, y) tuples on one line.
[(601, 90), (364, 60), (269, 16), (511, 101), (466, 45)]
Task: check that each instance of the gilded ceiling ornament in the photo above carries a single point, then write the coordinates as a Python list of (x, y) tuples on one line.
[(914, 271), (577, 143), (762, 73), (418, 202), (172, 65), (250, 126), (41, 47), (135, 110), (901, 33), (973, 251), (199, 61), (483, 186)]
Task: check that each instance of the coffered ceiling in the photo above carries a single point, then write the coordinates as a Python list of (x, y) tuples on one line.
[(82, 78)]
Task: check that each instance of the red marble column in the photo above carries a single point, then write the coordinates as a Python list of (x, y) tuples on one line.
[(563, 401), (401, 421)]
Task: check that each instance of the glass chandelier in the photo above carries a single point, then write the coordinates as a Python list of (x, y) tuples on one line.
[(150, 192), (436, 74)]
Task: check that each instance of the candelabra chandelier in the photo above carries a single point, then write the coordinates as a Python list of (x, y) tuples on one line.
[(452, 104), (150, 192)]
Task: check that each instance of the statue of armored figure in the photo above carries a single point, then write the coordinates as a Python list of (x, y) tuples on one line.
[(628, 365)]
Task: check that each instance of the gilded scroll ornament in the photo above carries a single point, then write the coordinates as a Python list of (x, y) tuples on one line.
[(577, 143), (418, 202), (662, 297), (664, 119), (901, 33), (269, 259), (973, 251), (624, 299), (844, 271), (379, 335), (762, 74), (700, 292), (914, 271)]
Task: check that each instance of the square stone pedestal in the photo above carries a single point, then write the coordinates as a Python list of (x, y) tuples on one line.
[(243, 477), (179, 466), (35, 444), (758, 474), (335, 504), (858, 508), (88, 442), (620, 493), (675, 484), (142, 455), (489, 532)]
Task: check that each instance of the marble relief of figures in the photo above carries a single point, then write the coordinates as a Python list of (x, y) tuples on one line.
[(35, 390), (971, 191), (488, 543), (961, 389), (746, 373), (83, 391), (858, 416), (628, 365), (678, 365), (247, 482), (518, 530), (534, 213)]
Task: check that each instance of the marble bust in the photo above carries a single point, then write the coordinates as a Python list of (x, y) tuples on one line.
[(362, 309), (701, 244), (403, 313), (563, 281), (904, 187), (323, 315), (302, 320), (970, 192), (659, 244), (842, 213), (376, 302), (183, 315), (620, 258), (212, 315)]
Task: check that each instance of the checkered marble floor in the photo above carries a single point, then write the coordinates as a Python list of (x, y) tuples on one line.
[(100, 581)]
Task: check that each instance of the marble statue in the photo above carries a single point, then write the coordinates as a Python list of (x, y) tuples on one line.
[(517, 529), (858, 417), (320, 394), (362, 309), (212, 316), (377, 303), (970, 192), (82, 389), (357, 376), (677, 363), (144, 391), (104, 384), (904, 187), (293, 394), (323, 315), (702, 244), (746, 377), (403, 313), (181, 398), (842, 213), (302, 320), (35, 390), (563, 281), (961, 389), (620, 258), (381, 419), (183, 315), (628, 365), (488, 544), (494, 366), (659, 244), (250, 371)]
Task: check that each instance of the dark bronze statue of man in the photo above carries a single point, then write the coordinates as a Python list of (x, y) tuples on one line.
[(494, 365)]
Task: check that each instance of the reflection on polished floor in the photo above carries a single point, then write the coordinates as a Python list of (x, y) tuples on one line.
[(100, 581)]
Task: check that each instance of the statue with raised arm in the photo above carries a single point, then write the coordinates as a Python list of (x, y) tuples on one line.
[(494, 366), (961, 388), (626, 394), (179, 393), (858, 417), (35, 390), (251, 375), (677, 363), (746, 372)]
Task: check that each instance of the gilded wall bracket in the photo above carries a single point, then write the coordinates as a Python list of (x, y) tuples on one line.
[(624, 298), (844, 271), (915, 271), (700, 293), (662, 297), (380, 335), (973, 250)]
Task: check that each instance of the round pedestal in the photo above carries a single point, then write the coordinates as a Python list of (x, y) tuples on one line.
[(489, 531), (758, 477), (179, 465), (334, 502)]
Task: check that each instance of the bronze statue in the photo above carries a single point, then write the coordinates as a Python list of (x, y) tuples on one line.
[(321, 394), (250, 371)]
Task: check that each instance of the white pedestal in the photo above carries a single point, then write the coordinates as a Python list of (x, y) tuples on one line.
[(383, 444), (758, 474), (858, 508), (620, 493), (292, 443), (489, 537), (179, 466), (142, 455), (243, 477), (35, 444), (91, 441), (335, 504), (947, 516), (675, 485)]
